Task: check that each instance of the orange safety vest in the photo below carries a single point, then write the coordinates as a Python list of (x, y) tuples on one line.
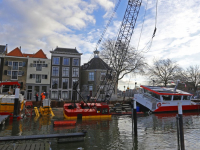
[(43, 96)]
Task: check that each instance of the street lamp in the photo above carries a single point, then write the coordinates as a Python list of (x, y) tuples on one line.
[(124, 93), (135, 84)]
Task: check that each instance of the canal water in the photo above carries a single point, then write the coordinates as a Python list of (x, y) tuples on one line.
[(155, 131)]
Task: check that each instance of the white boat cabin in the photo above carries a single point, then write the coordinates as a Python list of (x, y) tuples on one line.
[(154, 97)]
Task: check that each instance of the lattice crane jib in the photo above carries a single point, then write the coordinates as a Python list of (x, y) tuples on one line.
[(123, 38)]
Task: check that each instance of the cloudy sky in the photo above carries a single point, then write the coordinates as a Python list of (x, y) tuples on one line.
[(45, 24)]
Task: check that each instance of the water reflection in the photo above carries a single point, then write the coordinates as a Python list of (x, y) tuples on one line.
[(156, 131)]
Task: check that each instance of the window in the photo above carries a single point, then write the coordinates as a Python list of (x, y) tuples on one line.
[(34, 65), (65, 83), (103, 74), (54, 94), (43, 62), (20, 64), (15, 66), (34, 62), (55, 71), (54, 83), (56, 61), (91, 76), (66, 61), (8, 72), (64, 94), (39, 67), (75, 62), (90, 87), (73, 81), (14, 75), (75, 72), (65, 72), (38, 78), (43, 76), (10, 63)]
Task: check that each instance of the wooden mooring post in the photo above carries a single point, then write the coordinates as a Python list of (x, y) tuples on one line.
[(134, 117), (180, 132)]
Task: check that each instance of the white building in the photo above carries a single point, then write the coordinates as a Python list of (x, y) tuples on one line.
[(38, 74)]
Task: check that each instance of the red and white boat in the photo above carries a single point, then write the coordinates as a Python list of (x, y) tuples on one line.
[(165, 99)]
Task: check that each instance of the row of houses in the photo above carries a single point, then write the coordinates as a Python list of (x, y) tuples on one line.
[(36, 73)]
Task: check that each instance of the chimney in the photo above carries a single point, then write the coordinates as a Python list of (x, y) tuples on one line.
[(20, 48)]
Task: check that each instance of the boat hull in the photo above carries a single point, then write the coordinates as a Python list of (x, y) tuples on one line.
[(88, 113), (175, 108)]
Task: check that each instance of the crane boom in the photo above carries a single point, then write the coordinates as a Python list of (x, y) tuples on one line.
[(124, 37)]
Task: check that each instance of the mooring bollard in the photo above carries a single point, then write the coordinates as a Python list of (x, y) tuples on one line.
[(16, 103), (134, 117), (180, 115)]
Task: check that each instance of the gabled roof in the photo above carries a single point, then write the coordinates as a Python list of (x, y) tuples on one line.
[(66, 50), (40, 54), (15, 52), (96, 63), (2, 48)]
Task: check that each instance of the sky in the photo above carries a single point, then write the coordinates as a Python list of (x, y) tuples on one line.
[(46, 24)]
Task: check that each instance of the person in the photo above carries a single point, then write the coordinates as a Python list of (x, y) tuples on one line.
[(36, 96), (88, 98), (43, 95)]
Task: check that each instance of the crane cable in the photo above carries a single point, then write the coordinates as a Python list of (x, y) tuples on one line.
[(149, 44)]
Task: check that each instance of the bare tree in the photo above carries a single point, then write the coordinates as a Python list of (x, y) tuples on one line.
[(192, 75), (133, 61), (163, 71)]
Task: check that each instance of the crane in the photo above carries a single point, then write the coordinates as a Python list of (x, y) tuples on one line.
[(123, 38)]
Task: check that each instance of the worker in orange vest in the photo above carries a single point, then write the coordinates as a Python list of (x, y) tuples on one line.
[(43, 95)]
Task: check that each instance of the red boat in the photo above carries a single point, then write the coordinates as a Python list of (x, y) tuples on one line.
[(83, 110), (165, 99)]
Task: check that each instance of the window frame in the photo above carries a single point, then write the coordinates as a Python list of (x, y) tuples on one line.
[(52, 83), (58, 61), (73, 61), (101, 75), (67, 94), (89, 76), (54, 94), (68, 59), (12, 75), (53, 70), (73, 75), (63, 73), (67, 83)]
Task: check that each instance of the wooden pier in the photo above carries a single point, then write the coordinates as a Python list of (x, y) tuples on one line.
[(45, 136), (26, 146)]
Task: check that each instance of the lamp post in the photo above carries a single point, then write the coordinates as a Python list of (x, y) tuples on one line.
[(124, 93)]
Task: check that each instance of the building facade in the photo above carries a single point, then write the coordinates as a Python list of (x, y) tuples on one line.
[(92, 78), (38, 74), (65, 70), (14, 69)]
